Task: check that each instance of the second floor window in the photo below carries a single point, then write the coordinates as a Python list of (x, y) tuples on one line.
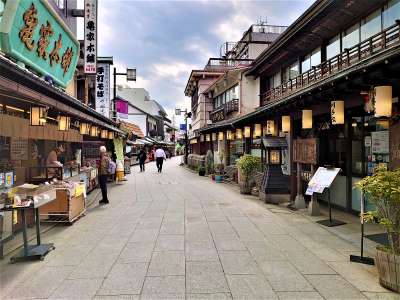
[(228, 95)]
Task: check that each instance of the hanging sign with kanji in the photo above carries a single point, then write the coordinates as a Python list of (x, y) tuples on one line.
[(90, 36), (34, 34), (103, 89)]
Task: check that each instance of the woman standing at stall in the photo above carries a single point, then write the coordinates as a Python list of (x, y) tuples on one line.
[(103, 174)]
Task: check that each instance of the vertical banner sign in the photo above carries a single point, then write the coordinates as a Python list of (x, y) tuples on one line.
[(90, 36), (103, 89)]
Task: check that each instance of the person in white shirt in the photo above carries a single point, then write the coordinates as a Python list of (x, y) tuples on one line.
[(160, 156)]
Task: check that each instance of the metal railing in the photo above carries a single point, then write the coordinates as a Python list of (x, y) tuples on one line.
[(223, 64), (346, 59), (221, 112)]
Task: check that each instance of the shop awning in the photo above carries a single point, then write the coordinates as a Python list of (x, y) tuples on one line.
[(135, 143), (145, 142), (274, 142)]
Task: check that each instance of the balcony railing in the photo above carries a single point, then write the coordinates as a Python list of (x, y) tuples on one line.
[(221, 112), (223, 64), (346, 59)]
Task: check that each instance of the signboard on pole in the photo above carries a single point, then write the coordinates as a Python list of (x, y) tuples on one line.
[(90, 38), (103, 89), (121, 107), (322, 179)]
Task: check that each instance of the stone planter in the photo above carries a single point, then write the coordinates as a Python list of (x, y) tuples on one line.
[(389, 269)]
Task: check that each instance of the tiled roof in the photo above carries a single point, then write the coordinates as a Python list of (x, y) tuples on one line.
[(135, 129)]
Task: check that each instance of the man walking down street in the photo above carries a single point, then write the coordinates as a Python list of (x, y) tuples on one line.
[(142, 159), (160, 156), (103, 174)]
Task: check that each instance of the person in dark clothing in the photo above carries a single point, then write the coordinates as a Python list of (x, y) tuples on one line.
[(142, 156), (103, 174)]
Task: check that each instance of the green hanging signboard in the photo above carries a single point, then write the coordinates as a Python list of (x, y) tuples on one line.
[(33, 33)]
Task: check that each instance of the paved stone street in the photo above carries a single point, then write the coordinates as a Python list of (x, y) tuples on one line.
[(176, 235)]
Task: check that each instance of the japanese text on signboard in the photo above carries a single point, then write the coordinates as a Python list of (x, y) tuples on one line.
[(90, 36), (103, 89)]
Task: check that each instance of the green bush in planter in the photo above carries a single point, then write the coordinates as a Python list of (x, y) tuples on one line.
[(247, 164), (383, 190)]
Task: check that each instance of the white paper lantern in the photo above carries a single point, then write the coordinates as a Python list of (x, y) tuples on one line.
[(239, 134), (213, 136), (37, 116), (306, 119), (94, 131), (208, 137), (104, 134), (337, 112), (383, 101), (111, 135), (84, 128), (286, 123), (229, 135), (257, 130), (270, 127), (64, 123), (220, 136), (247, 132)]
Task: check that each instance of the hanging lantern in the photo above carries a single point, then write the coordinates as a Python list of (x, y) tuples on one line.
[(337, 112), (270, 127), (202, 138), (111, 135), (306, 119), (257, 130), (383, 101), (286, 123), (247, 132), (208, 137), (239, 134), (84, 128), (220, 136), (94, 131), (213, 136), (64, 123), (229, 135), (104, 134), (38, 116)]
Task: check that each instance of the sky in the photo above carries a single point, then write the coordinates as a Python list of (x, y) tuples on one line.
[(165, 40)]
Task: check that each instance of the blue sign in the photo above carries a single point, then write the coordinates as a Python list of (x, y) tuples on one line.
[(182, 127)]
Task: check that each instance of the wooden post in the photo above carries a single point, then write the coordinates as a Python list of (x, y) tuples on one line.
[(299, 202), (313, 206)]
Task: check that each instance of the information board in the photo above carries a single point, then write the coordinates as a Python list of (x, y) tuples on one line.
[(322, 179)]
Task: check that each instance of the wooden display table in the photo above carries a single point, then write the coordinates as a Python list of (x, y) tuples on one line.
[(67, 207)]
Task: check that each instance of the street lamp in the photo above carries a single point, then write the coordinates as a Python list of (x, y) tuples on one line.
[(187, 115), (130, 76)]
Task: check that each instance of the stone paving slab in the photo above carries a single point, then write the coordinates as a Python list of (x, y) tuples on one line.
[(176, 235)]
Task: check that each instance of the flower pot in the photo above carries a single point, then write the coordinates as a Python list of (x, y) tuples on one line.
[(213, 176), (245, 187), (388, 265), (219, 178), (202, 173)]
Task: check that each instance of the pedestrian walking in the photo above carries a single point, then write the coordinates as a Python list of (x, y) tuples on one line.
[(160, 156), (142, 156), (105, 163)]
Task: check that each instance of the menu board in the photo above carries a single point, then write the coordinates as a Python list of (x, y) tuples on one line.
[(19, 149), (321, 180), (380, 142)]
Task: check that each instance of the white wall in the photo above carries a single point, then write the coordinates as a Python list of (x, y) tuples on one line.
[(256, 49), (137, 117), (249, 98)]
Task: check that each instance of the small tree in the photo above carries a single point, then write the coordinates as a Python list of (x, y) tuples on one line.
[(383, 190), (247, 164), (209, 162)]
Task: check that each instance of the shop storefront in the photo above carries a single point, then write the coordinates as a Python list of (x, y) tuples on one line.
[(43, 156)]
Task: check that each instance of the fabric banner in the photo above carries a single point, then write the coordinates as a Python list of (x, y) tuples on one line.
[(90, 42), (122, 109)]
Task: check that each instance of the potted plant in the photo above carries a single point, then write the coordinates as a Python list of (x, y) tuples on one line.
[(383, 190), (247, 164), (209, 163), (201, 170), (219, 168)]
